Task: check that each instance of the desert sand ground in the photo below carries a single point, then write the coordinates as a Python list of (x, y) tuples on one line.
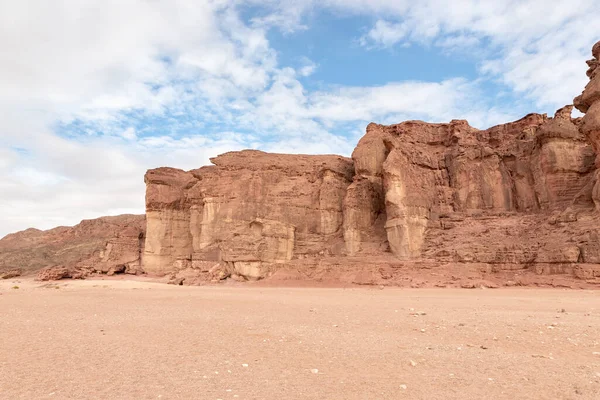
[(117, 339)]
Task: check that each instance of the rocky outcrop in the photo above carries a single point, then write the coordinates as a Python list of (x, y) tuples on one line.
[(105, 245), (250, 211), (434, 177), (517, 199), (54, 273)]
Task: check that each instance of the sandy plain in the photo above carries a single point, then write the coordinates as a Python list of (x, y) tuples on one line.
[(128, 339)]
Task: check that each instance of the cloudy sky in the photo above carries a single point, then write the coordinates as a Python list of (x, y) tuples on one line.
[(94, 92)]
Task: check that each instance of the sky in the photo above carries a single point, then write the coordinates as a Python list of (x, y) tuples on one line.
[(95, 92)]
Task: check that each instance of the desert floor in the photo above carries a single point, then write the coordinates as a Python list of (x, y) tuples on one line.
[(119, 339)]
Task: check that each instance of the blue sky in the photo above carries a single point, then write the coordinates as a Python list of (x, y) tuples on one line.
[(93, 93)]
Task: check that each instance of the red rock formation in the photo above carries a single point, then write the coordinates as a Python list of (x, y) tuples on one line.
[(433, 174), (54, 273), (511, 200), (251, 211), (104, 245)]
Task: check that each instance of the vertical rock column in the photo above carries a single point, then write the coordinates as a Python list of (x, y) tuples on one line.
[(363, 203), (409, 191), (331, 194), (168, 219), (589, 103)]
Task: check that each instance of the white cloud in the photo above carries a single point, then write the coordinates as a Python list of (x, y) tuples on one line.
[(308, 67), (385, 34), (459, 42), (536, 47), (432, 101), (129, 133)]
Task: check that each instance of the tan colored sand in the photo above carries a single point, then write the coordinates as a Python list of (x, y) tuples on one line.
[(140, 340)]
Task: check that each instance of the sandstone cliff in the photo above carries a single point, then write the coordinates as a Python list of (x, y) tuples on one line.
[(250, 211)]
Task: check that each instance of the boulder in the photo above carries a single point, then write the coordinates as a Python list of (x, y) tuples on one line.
[(11, 273), (53, 273)]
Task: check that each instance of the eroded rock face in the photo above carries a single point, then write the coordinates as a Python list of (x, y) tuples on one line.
[(513, 197), (432, 175), (103, 245), (250, 211), (589, 103)]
